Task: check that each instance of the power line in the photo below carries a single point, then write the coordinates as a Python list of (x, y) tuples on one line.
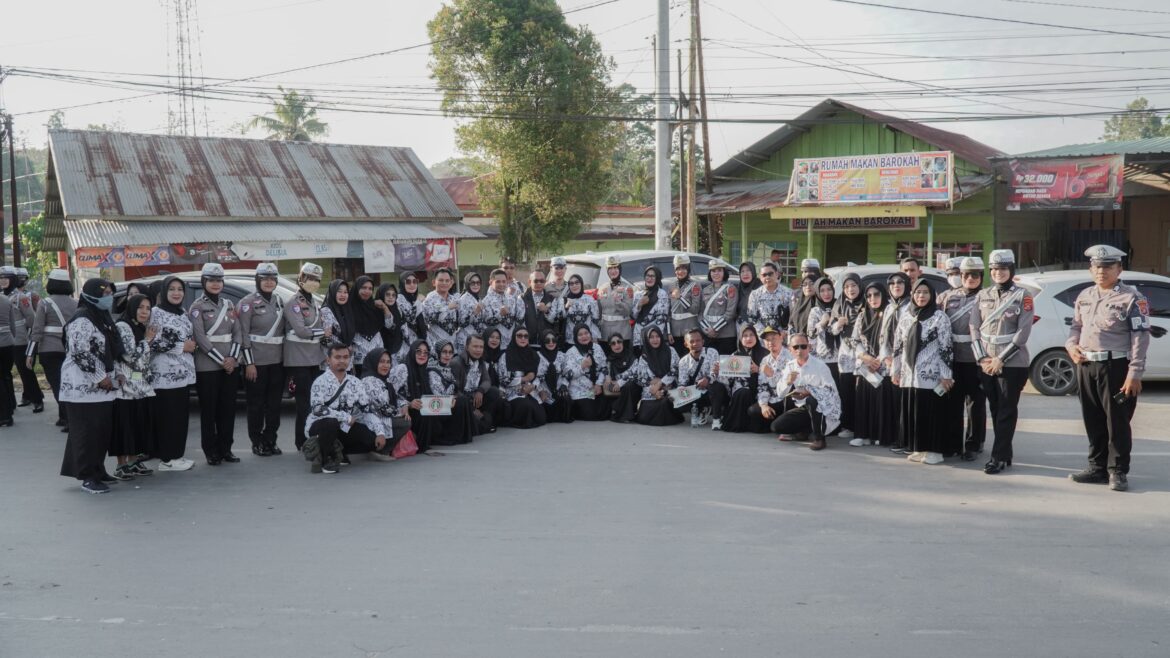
[(1078, 6)]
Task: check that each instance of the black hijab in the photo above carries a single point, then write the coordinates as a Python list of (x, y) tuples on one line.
[(411, 297), (745, 289), (392, 337), (370, 367), (342, 312), (418, 383), (266, 295), (550, 355), (492, 354), (369, 320), (161, 298), (91, 291), (651, 293), (803, 306), (921, 315), (871, 318), (905, 286), (585, 350), (892, 308), (521, 359), (846, 308), (467, 285), (619, 363), (758, 352), (657, 358), (569, 287), (130, 316)]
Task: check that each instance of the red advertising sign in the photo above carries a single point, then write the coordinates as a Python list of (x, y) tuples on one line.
[(1065, 184)]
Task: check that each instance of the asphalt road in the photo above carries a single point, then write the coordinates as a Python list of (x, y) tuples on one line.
[(595, 539)]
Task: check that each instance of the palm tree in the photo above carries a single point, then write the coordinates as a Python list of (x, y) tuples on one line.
[(293, 118)]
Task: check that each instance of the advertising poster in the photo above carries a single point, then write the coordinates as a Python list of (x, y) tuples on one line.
[(1066, 184), (919, 178)]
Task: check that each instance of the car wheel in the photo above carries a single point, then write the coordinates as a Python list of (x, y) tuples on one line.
[(1053, 373)]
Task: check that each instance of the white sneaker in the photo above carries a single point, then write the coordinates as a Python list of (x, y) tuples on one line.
[(845, 434), (716, 424), (932, 458), (179, 464), (857, 443), (916, 456)]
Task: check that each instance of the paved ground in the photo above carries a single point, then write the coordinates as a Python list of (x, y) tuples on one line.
[(595, 539)]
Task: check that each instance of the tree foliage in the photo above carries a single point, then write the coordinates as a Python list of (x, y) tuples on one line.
[(536, 90), (1139, 122), (35, 258), (293, 118), (465, 166)]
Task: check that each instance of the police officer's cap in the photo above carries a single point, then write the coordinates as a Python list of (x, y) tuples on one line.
[(559, 261), (810, 264), (21, 271), (681, 260), (267, 269), (59, 275), (1103, 254), (211, 271), (613, 261), (971, 264), (1002, 258), (7, 270), (313, 270), (717, 263), (953, 264)]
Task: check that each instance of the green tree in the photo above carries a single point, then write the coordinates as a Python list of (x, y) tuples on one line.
[(465, 166), (293, 118), (1139, 122), (36, 259), (56, 120), (535, 93)]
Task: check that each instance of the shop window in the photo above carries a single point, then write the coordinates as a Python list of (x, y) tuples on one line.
[(942, 251), (759, 252)]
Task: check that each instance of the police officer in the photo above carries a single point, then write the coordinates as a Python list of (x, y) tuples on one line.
[(304, 332), (46, 341), (24, 312), (215, 328), (1108, 341), (719, 308), (1001, 322), (8, 315), (966, 398), (686, 303), (262, 344), (810, 267), (954, 276), (615, 296), (557, 283)]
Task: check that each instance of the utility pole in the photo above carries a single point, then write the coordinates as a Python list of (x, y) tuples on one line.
[(3, 128), (692, 218), (714, 222), (682, 160), (12, 191), (662, 130)]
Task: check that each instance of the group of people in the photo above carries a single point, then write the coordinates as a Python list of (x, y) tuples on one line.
[(890, 364)]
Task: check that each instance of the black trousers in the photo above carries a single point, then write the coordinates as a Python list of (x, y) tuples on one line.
[(1003, 394), (358, 439), (624, 407), (7, 391), (1106, 421), (490, 412), (90, 426), (756, 421), (171, 412), (302, 379), (217, 411), (847, 389), (800, 420), (28, 379), (264, 397), (51, 363), (969, 401)]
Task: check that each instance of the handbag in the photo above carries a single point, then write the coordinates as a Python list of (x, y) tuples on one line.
[(406, 446)]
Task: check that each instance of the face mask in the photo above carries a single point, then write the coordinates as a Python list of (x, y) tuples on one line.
[(103, 303), (955, 280), (310, 286)]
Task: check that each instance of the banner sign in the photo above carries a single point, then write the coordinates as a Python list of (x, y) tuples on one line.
[(198, 253), (800, 224), (379, 255), (292, 250), (1066, 184), (98, 257), (143, 255), (922, 178)]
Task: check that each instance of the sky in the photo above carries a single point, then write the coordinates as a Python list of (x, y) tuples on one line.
[(765, 60)]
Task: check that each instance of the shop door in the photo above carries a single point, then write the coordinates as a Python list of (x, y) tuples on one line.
[(841, 249), (1164, 261)]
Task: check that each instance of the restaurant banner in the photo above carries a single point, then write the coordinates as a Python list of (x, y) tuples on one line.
[(800, 224), (291, 250), (1066, 184), (918, 178)]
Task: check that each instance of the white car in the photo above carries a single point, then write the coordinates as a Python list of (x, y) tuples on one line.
[(591, 265), (1052, 371)]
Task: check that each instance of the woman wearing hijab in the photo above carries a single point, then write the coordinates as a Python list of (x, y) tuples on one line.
[(523, 373), (623, 397), (744, 390), (848, 307), (559, 407), (897, 309), (826, 344), (872, 424), (493, 351), (338, 314), (922, 369), (655, 373), (370, 317), (385, 414), (132, 421), (88, 383), (719, 306), (459, 427), (651, 307), (413, 326), (173, 364), (393, 338), (48, 330), (579, 309), (748, 282), (411, 382), (471, 311), (585, 372), (803, 303)]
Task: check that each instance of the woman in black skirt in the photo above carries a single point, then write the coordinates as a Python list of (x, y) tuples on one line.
[(559, 408), (522, 372), (493, 349), (743, 389), (890, 395), (584, 369), (412, 381), (867, 399), (459, 427), (173, 367), (922, 370), (133, 427), (623, 397), (655, 372), (846, 309)]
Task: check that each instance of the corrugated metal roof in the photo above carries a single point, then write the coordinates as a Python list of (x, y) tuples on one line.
[(114, 233), (1132, 147), (977, 153), (110, 175)]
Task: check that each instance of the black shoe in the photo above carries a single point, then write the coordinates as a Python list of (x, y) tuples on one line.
[(106, 478), (123, 473), (7, 422), (261, 450), (24, 403), (60, 422), (1090, 476), (345, 460), (214, 461), (995, 466), (274, 450), (95, 487), (330, 468), (38, 407), (64, 429), (1118, 482), (968, 456), (230, 458)]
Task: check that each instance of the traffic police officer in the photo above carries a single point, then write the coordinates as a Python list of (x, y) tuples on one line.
[(719, 308), (810, 267), (215, 328), (1108, 341), (615, 297), (304, 332), (8, 315), (967, 399), (557, 283), (954, 275), (262, 343), (686, 302), (1000, 325), (24, 313)]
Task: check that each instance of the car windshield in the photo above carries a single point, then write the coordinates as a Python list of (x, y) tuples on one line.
[(588, 272)]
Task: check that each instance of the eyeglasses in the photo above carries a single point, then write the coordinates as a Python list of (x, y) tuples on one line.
[(615, 342), (767, 275), (558, 267), (803, 346), (524, 336), (538, 280), (409, 281), (972, 275), (874, 295), (550, 339)]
